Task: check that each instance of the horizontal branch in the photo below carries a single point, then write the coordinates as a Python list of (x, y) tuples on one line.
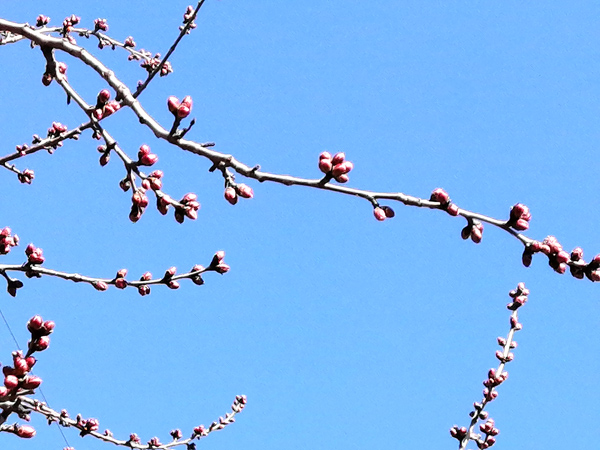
[(518, 221)]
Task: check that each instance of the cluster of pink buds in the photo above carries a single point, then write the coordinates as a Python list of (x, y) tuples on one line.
[(335, 167), (188, 17), (42, 20), (104, 106), (519, 217), (180, 109), (441, 196), (234, 190), (154, 442), (473, 230), (579, 268), (56, 129), (139, 201), (519, 297), (490, 432), (557, 258), (189, 208), (26, 177), (69, 22), (40, 333), (383, 212), (146, 157), (150, 64), (168, 278), (153, 180), (7, 240), (34, 254), (17, 376), (100, 24), (176, 434), (129, 42), (87, 426), (218, 264), (239, 403)]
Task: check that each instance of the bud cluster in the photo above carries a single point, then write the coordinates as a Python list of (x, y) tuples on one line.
[(441, 196), (150, 64), (104, 106), (519, 217), (234, 191), (558, 259), (335, 167), (383, 212), (7, 240), (42, 20), (180, 109), (189, 208), (100, 25), (218, 264), (473, 230), (35, 255), (188, 18)]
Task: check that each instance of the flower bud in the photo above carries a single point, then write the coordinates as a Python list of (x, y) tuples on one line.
[(379, 214), (25, 431), (173, 104), (230, 195)]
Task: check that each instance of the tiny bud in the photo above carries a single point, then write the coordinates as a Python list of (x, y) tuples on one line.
[(173, 104), (245, 191), (100, 285), (379, 214), (230, 195), (338, 158)]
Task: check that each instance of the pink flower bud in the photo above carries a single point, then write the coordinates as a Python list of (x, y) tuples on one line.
[(120, 283), (230, 195), (338, 158), (146, 277), (183, 111), (325, 165), (576, 254), (173, 104), (11, 382), (440, 195), (35, 323), (3, 391), (222, 268), (245, 191), (521, 225), (42, 343), (25, 431), (103, 96), (173, 284), (144, 290), (187, 101), (144, 150), (342, 178), (379, 214), (104, 159), (100, 285), (325, 155), (452, 209), (31, 382), (48, 326)]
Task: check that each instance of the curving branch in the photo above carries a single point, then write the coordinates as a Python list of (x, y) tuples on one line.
[(20, 384), (335, 168)]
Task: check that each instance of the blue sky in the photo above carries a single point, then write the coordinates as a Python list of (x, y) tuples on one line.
[(343, 332)]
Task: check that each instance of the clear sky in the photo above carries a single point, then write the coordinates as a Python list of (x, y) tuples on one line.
[(342, 331)]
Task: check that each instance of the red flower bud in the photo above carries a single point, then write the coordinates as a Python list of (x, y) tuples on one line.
[(440, 195), (42, 343), (35, 323), (325, 165), (338, 158), (173, 104), (25, 431), (31, 382), (379, 214), (11, 382), (245, 191), (104, 96), (230, 195)]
